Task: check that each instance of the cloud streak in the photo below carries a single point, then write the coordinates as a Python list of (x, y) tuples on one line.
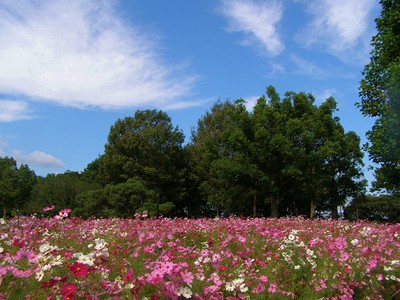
[(80, 53), (37, 158), (14, 111), (257, 20)]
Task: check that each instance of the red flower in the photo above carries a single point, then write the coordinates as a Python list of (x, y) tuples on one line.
[(79, 269), (68, 289)]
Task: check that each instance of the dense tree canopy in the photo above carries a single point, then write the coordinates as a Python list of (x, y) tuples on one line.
[(288, 156), (15, 185), (380, 97), (148, 147)]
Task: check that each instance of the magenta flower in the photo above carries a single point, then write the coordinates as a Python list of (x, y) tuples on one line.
[(68, 288), (79, 269)]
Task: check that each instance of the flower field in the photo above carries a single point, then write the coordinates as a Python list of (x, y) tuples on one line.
[(230, 258)]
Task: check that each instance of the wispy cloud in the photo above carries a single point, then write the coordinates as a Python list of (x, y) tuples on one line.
[(81, 53), (14, 110), (340, 26), (306, 67), (37, 158), (257, 20)]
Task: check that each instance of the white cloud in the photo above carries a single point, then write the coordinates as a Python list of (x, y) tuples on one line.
[(251, 101), (80, 53), (258, 20), (37, 158), (14, 110), (340, 26)]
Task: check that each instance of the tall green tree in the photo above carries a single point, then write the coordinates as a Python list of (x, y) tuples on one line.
[(16, 185), (149, 147), (272, 148), (380, 97), (221, 149)]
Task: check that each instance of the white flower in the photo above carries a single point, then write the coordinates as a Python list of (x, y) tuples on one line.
[(243, 288), (238, 281), (230, 287), (354, 242), (129, 286), (296, 267), (183, 291), (1, 249), (100, 244), (78, 254), (2, 221), (39, 275), (58, 260), (86, 259), (44, 248), (187, 293), (310, 252)]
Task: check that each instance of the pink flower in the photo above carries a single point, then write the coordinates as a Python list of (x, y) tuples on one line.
[(64, 213), (272, 288), (210, 289), (187, 277), (49, 208), (155, 277), (259, 288), (21, 274)]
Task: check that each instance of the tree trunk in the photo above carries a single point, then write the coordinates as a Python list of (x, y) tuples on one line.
[(313, 205), (274, 208), (335, 214), (255, 205)]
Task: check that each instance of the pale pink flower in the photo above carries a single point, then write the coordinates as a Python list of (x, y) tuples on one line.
[(49, 208)]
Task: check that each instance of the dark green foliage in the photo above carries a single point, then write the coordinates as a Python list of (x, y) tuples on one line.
[(59, 190), (374, 208), (286, 157), (16, 185), (380, 97), (126, 198), (149, 148), (222, 155)]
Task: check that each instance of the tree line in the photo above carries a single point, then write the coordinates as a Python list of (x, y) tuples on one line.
[(287, 157)]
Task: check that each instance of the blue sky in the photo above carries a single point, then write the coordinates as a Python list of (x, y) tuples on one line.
[(70, 69)]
